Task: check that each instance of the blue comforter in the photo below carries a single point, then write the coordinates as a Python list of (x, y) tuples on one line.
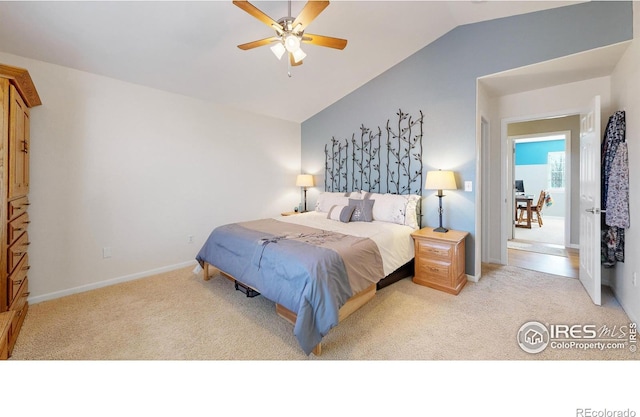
[(299, 267)]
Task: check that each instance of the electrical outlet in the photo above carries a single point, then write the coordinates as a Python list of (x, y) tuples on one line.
[(106, 252), (190, 239), (634, 281), (468, 186)]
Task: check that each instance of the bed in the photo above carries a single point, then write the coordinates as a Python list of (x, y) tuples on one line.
[(321, 266)]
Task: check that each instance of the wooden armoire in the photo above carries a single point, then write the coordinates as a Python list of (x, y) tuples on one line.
[(17, 96)]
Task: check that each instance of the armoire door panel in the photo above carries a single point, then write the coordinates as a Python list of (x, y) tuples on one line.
[(18, 145)]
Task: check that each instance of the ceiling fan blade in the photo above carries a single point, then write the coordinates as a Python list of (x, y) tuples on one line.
[(255, 44), (257, 13), (310, 11), (329, 42), (293, 61)]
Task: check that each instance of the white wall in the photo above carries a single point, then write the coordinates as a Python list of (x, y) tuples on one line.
[(535, 180), (529, 105), (625, 92), (139, 170)]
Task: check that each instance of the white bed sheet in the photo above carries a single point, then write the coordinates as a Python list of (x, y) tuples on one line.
[(393, 240)]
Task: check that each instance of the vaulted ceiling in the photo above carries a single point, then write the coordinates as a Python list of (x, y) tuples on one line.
[(190, 48)]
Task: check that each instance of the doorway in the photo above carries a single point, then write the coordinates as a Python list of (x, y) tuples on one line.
[(540, 174)]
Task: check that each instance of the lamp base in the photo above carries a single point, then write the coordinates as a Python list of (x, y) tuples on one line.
[(440, 229)]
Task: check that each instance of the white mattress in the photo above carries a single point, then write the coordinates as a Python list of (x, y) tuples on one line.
[(393, 240)]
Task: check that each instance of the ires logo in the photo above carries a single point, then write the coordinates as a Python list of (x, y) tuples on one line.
[(577, 331), (534, 337)]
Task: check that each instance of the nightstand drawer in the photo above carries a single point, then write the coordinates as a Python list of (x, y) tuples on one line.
[(434, 250), (438, 272)]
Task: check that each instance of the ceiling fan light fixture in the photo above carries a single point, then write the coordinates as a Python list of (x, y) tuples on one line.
[(292, 43), (278, 50), (298, 55), (290, 31)]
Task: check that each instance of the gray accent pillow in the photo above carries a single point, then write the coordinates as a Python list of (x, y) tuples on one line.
[(363, 210), (341, 213)]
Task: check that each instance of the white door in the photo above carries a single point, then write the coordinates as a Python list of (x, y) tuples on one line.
[(590, 200)]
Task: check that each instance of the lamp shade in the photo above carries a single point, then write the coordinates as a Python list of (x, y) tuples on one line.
[(304, 180), (440, 180)]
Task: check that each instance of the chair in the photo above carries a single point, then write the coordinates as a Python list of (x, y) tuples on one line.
[(521, 208), (536, 211)]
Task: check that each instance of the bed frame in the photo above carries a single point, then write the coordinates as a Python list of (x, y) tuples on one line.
[(357, 166), (352, 304)]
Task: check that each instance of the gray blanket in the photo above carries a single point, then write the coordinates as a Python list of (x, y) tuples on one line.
[(309, 271)]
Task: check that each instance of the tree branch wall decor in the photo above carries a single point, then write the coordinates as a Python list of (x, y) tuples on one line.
[(360, 166)]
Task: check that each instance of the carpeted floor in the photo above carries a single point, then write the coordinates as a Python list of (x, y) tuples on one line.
[(552, 231), (177, 315)]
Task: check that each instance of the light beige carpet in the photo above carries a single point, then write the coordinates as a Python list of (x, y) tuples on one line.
[(538, 247), (552, 231), (177, 315)]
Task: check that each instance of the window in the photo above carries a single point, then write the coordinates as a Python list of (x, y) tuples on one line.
[(555, 170)]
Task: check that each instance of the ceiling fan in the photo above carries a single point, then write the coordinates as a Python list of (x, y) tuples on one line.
[(290, 31)]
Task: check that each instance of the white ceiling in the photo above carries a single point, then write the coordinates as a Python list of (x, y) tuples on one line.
[(599, 62), (190, 48)]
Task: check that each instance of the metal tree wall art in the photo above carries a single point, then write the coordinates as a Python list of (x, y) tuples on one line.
[(336, 165), (404, 145), (363, 160), (362, 169)]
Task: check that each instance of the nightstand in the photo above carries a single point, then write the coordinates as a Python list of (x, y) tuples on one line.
[(289, 213), (440, 259)]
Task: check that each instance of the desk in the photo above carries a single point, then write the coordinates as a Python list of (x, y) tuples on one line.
[(528, 199)]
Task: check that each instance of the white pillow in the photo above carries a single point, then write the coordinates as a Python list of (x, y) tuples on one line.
[(327, 199), (395, 208), (341, 213)]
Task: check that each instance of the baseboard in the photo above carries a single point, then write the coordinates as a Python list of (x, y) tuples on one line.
[(473, 278), (108, 282)]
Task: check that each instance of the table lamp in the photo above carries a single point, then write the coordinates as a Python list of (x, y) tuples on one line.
[(440, 180), (304, 181)]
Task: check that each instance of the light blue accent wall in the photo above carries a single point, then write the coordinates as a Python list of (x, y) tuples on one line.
[(535, 153), (440, 80)]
